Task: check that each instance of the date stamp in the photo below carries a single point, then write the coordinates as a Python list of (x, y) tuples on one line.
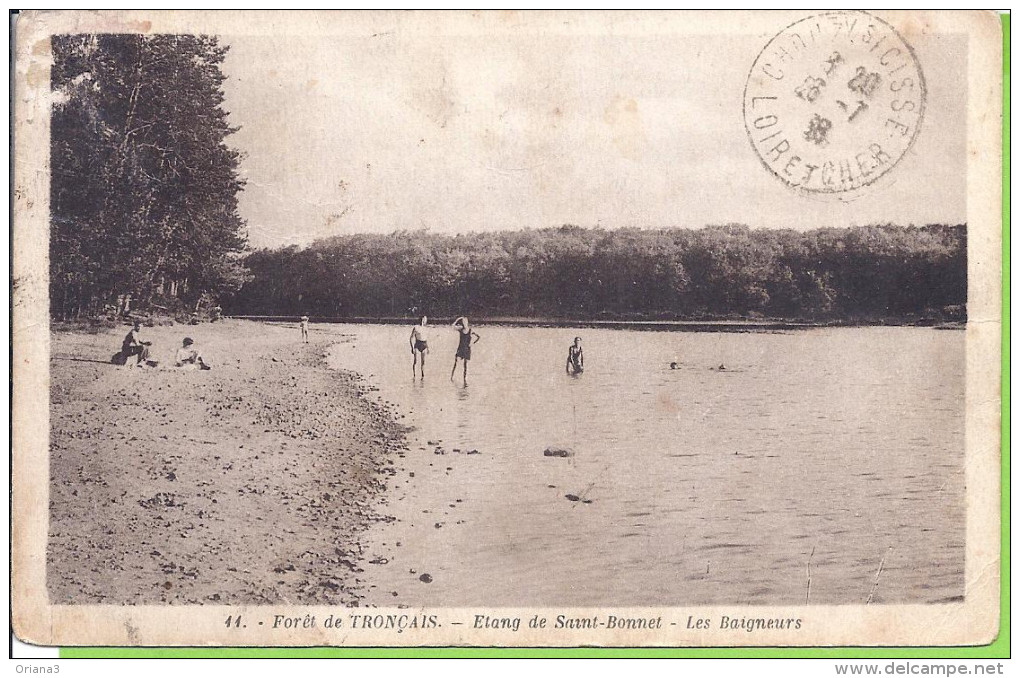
[(834, 102)]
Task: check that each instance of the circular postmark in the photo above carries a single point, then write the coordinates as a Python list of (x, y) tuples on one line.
[(834, 101)]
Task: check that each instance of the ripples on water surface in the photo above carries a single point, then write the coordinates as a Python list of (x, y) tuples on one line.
[(706, 486)]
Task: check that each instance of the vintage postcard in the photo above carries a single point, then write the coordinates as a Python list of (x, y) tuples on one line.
[(507, 328)]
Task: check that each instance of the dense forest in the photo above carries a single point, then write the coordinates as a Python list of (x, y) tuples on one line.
[(143, 193), (861, 274)]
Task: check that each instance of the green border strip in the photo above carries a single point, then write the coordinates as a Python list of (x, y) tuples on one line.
[(997, 650)]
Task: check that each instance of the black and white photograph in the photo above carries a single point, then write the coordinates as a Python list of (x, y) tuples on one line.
[(507, 328)]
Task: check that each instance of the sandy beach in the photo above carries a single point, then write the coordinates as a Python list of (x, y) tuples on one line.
[(248, 483)]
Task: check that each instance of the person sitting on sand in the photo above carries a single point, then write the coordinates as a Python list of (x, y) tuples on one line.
[(575, 357), (463, 345), (188, 356), (134, 345), (304, 328), (419, 344)]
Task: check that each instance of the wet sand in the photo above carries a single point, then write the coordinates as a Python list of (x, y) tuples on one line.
[(249, 483)]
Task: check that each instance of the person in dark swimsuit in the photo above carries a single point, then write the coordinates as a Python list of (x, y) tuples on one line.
[(133, 345), (575, 357), (463, 345), (419, 345)]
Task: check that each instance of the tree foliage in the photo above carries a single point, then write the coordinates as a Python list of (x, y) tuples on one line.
[(867, 273), (144, 188)]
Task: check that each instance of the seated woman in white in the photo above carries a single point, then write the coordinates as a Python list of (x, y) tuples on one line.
[(189, 357)]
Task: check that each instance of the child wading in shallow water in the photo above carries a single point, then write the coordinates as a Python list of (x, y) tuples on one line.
[(419, 345), (464, 345), (575, 357)]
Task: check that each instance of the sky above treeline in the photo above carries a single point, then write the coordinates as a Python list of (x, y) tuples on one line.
[(379, 130)]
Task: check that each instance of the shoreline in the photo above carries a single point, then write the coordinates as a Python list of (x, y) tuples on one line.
[(764, 325), (283, 476), (250, 483)]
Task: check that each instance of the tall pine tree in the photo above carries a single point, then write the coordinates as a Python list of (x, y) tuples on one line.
[(144, 188)]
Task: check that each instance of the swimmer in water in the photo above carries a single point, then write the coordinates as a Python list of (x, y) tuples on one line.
[(463, 345), (419, 345), (575, 357)]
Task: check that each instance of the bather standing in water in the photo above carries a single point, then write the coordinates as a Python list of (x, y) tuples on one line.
[(419, 345), (575, 357), (464, 345)]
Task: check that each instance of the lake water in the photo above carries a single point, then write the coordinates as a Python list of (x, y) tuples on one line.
[(834, 453)]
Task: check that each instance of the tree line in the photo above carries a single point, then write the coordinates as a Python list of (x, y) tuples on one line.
[(144, 216), (144, 188), (862, 274)]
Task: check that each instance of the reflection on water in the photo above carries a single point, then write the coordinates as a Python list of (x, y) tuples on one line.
[(760, 458)]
